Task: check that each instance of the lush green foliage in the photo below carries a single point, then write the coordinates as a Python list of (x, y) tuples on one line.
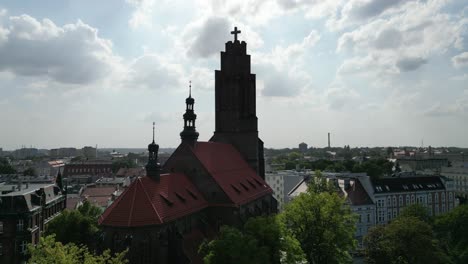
[(263, 240), (322, 223), (5, 167), (29, 172), (76, 226), (407, 239), (122, 163), (418, 211), (49, 251), (452, 230), (375, 168)]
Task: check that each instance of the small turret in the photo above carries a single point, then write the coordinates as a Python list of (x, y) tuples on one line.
[(189, 135)]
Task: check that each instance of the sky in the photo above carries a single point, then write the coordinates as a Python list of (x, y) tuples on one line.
[(370, 72)]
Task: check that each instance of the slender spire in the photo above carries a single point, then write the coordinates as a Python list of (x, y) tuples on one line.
[(153, 169), (190, 89), (153, 131)]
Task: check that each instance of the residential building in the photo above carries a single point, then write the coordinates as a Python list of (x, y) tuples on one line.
[(25, 210), (282, 182), (391, 195), (100, 168), (458, 172)]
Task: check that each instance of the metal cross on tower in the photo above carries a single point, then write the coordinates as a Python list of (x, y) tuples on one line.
[(235, 32)]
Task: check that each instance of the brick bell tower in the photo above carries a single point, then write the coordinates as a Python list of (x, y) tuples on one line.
[(235, 102)]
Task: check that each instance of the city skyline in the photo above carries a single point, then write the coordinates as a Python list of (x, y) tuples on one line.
[(372, 73)]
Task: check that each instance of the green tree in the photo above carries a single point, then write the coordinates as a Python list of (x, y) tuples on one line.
[(452, 230), (417, 210), (5, 167), (404, 240), (322, 223), (76, 226), (49, 251), (271, 234), (263, 240), (233, 247), (122, 163), (29, 172)]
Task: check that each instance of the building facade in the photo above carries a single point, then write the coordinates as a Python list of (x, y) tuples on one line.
[(391, 195), (25, 211), (282, 182)]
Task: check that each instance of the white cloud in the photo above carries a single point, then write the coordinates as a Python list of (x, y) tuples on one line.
[(403, 39), (410, 63), (142, 14), (460, 60), (338, 96), (151, 71), (209, 38), (281, 72), (458, 108), (206, 37), (72, 54)]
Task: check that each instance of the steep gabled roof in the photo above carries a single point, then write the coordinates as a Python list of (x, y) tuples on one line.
[(231, 172), (357, 195), (151, 202)]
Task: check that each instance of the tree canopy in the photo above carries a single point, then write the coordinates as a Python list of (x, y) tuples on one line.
[(407, 239), (262, 240), (322, 223), (49, 251), (452, 230), (76, 226), (5, 167)]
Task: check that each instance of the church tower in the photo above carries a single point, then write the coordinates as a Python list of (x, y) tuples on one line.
[(235, 102), (153, 169), (189, 135)]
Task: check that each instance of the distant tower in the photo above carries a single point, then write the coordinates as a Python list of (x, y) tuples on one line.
[(302, 147), (328, 139), (189, 135), (153, 169), (235, 103)]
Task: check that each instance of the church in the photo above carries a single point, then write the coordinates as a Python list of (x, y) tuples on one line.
[(164, 216)]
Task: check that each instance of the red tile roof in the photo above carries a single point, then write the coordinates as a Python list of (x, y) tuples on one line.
[(150, 202), (232, 173)]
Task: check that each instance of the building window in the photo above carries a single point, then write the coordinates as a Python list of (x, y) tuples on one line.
[(23, 246), (368, 218), (19, 225), (450, 196), (412, 199), (389, 202), (436, 198), (395, 213), (400, 200), (394, 201), (407, 199), (429, 198), (443, 197), (360, 218), (1, 227)]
